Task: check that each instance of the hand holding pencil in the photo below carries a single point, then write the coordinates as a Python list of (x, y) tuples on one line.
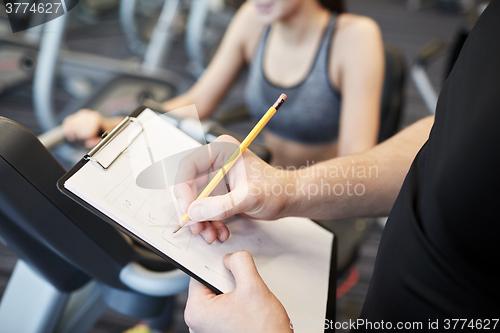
[(181, 191)]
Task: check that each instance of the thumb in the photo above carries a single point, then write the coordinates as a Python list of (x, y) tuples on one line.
[(242, 265), (217, 208)]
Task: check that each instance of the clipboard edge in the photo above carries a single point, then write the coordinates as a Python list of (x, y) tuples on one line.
[(331, 301)]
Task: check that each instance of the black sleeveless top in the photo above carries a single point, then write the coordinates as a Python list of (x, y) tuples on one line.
[(439, 252)]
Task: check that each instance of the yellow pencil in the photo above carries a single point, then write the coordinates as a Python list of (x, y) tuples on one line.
[(230, 162)]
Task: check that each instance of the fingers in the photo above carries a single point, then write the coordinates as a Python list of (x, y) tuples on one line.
[(193, 173), (222, 230), (83, 125), (92, 142), (219, 207), (188, 176), (197, 228), (242, 265), (204, 158), (211, 231), (193, 164), (67, 127), (184, 196), (208, 232)]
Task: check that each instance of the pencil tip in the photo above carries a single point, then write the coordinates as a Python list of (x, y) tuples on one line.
[(177, 228)]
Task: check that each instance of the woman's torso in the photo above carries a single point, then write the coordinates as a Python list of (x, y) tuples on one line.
[(306, 127)]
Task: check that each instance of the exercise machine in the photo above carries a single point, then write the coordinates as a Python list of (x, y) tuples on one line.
[(435, 49), (72, 265)]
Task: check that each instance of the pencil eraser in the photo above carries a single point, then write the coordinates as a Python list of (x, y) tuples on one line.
[(283, 97)]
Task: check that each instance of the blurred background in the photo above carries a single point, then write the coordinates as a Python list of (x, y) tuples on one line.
[(113, 56)]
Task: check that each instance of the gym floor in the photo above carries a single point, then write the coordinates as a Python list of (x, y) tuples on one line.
[(406, 29)]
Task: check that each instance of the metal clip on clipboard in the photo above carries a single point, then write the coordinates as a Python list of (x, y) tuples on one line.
[(108, 137)]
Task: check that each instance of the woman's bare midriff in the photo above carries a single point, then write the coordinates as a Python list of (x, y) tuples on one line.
[(289, 153)]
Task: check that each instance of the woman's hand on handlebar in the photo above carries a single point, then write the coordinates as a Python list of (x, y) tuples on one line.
[(87, 125)]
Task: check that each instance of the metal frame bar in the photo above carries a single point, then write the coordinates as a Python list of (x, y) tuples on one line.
[(158, 47), (194, 34), (43, 81), (424, 87)]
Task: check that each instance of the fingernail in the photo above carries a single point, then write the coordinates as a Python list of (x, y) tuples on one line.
[(204, 233), (219, 234), (195, 228), (198, 213)]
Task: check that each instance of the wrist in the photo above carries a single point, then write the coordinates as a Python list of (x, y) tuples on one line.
[(310, 194), (289, 203)]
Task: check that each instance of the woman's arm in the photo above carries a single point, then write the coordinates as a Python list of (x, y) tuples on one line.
[(212, 86), (357, 66), (86, 125)]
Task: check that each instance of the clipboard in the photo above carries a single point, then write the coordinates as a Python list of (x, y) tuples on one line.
[(107, 166)]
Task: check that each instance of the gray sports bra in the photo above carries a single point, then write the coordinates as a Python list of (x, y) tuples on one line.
[(312, 111)]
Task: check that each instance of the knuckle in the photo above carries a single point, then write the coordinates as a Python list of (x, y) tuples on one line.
[(242, 256), (218, 210), (223, 215), (227, 138), (252, 200)]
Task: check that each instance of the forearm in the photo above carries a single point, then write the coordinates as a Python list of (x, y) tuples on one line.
[(183, 100), (360, 185)]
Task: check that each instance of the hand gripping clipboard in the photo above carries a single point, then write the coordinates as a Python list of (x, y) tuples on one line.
[(278, 258)]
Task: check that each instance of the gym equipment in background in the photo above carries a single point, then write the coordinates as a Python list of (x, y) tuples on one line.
[(72, 264), (435, 49)]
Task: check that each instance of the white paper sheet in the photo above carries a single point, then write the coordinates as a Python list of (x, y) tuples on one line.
[(292, 254)]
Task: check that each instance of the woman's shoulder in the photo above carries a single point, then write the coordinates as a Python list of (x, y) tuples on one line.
[(355, 34), (351, 26), (357, 42), (247, 20), (249, 28)]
